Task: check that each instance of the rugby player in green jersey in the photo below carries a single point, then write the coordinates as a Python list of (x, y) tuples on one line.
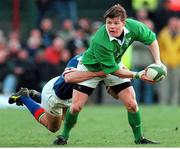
[(106, 49), (56, 98)]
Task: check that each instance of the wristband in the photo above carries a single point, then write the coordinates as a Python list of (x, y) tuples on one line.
[(136, 75)]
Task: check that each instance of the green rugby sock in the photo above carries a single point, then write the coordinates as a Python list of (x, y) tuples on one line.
[(135, 123), (69, 122)]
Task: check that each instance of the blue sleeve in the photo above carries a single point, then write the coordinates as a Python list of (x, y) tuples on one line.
[(72, 65), (73, 62)]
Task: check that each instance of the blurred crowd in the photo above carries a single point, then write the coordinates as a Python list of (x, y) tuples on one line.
[(46, 51), (43, 55)]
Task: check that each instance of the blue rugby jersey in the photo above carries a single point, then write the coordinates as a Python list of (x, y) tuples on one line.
[(62, 89)]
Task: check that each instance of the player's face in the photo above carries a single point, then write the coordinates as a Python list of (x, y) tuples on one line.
[(114, 26)]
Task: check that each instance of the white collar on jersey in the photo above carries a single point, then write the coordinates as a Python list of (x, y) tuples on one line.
[(113, 38)]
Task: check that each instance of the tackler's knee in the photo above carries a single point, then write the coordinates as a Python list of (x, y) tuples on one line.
[(53, 129)]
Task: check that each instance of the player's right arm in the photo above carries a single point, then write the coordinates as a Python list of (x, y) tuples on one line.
[(75, 76), (125, 73)]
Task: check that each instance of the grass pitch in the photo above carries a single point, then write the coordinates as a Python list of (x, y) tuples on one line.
[(98, 126)]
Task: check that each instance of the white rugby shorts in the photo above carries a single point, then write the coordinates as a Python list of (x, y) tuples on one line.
[(50, 102), (110, 80)]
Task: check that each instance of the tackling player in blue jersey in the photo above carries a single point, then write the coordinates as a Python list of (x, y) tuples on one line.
[(56, 98)]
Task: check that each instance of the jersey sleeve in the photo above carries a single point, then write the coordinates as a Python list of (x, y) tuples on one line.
[(143, 33), (105, 58), (72, 65)]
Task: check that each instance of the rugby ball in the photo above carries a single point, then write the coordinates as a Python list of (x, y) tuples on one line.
[(156, 72)]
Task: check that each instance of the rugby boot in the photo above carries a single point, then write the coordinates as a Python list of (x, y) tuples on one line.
[(60, 140), (146, 141), (15, 98)]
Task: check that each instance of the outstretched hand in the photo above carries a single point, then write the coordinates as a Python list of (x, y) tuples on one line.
[(145, 78)]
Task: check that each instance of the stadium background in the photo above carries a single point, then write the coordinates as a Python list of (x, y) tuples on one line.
[(161, 122)]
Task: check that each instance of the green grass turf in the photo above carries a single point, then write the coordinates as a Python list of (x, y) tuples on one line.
[(98, 126)]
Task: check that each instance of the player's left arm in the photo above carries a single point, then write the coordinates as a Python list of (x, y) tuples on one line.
[(148, 37), (154, 48)]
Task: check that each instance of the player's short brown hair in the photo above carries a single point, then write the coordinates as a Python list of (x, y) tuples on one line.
[(116, 11)]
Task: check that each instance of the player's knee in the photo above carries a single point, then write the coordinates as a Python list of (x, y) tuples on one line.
[(75, 108), (131, 103), (53, 129), (132, 106)]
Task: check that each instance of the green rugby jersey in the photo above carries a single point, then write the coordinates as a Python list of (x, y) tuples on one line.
[(105, 52)]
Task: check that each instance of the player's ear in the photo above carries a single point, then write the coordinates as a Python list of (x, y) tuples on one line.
[(123, 23)]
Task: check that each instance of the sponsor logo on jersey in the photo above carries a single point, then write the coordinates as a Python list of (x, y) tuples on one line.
[(116, 53), (127, 41)]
